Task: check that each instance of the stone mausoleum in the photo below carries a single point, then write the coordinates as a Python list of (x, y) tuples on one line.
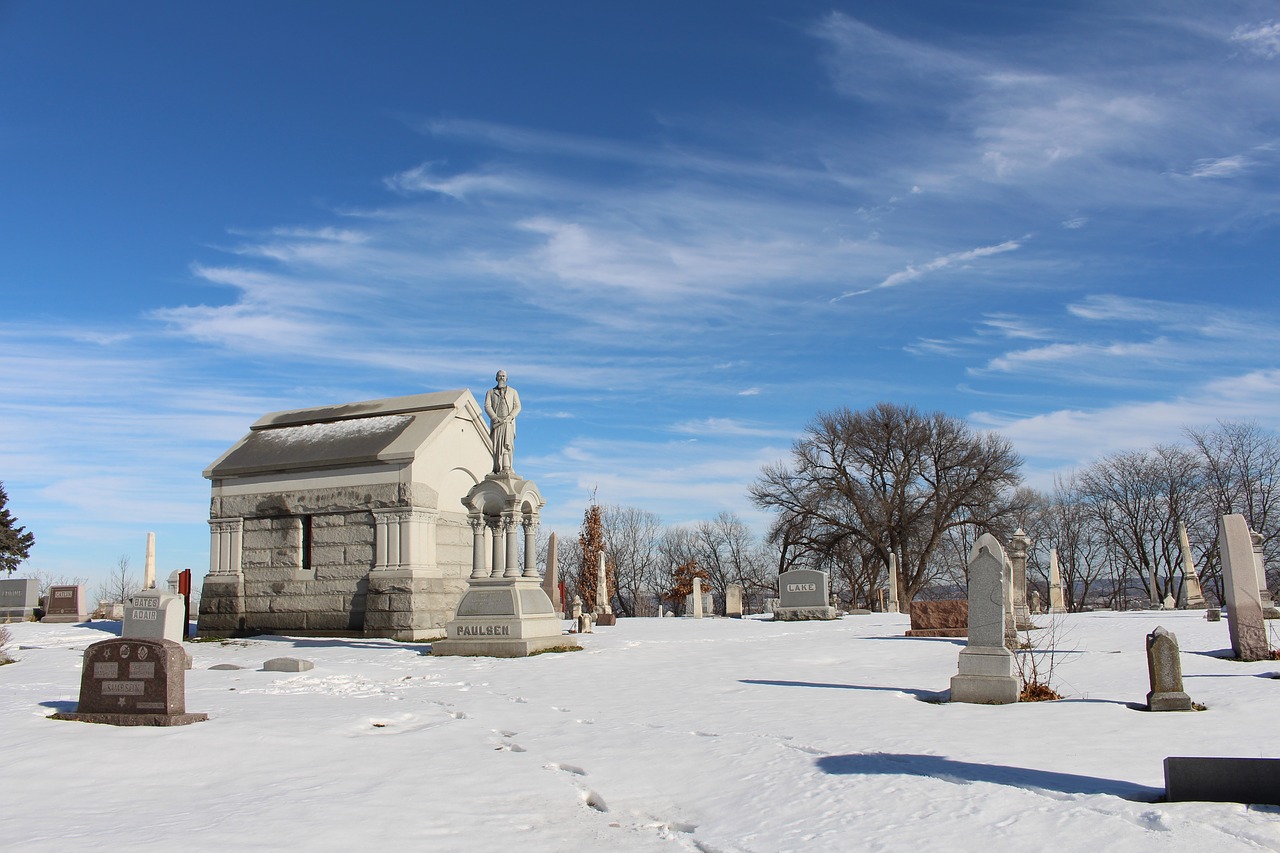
[(349, 520)]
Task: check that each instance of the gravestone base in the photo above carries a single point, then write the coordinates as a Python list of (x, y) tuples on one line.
[(606, 619), (986, 677), (1168, 702), (133, 719), (500, 648), (804, 614), (502, 617), (61, 620)]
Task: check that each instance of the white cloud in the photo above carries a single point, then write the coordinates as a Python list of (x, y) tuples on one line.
[(729, 427), (749, 392), (1261, 39), (1221, 167), (1067, 438)]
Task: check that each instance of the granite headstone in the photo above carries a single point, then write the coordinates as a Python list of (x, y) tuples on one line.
[(986, 667), (803, 594), (133, 682), (65, 604), (18, 599)]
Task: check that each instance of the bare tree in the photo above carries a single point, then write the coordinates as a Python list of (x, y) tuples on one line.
[(1136, 498), (631, 546), (1240, 463), (894, 480), (47, 579), (1064, 520), (120, 585)]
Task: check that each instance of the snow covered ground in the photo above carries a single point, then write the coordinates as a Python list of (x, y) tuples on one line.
[(664, 734)]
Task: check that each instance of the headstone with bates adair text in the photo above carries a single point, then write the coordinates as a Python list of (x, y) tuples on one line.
[(152, 614), (65, 604), (133, 682), (803, 594)]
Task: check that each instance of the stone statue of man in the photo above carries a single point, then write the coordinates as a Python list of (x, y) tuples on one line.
[(502, 404)]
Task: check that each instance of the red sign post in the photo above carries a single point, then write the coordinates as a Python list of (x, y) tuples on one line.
[(184, 589)]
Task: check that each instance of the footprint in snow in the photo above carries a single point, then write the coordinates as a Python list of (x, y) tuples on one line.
[(567, 768)]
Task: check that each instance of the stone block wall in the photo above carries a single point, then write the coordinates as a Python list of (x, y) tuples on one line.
[(329, 597)]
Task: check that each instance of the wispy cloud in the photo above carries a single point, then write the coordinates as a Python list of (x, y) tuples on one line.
[(914, 272), (1221, 167)]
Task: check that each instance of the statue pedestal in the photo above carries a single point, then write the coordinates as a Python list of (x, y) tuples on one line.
[(504, 618)]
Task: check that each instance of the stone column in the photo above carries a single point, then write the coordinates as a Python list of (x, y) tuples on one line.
[(477, 546), (1264, 595), (1190, 580), (499, 547), (1019, 545), (1010, 615), (1057, 600), (551, 581), (696, 609), (511, 527), (149, 570), (226, 536), (894, 605), (602, 586), (222, 597), (531, 547)]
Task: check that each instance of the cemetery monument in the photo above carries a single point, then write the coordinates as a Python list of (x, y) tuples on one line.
[(803, 594), (1193, 595), (133, 682), (65, 604), (1164, 666), (986, 668), (349, 519), (504, 612), (1240, 582), (19, 599)]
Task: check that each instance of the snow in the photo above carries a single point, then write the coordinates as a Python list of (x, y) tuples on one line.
[(663, 735), (328, 431)]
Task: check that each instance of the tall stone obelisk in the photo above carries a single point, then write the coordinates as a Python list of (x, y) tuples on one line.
[(149, 572), (1057, 601), (1190, 580)]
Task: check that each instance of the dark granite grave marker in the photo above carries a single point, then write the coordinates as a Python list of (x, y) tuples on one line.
[(65, 604), (133, 682)]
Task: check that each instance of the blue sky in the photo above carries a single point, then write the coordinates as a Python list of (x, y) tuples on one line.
[(682, 228)]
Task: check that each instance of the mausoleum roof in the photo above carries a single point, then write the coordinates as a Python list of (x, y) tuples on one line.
[(390, 430)]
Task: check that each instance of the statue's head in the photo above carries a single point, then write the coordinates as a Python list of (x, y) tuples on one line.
[(501, 378)]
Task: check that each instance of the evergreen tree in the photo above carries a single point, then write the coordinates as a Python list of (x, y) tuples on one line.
[(591, 543), (15, 541)]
